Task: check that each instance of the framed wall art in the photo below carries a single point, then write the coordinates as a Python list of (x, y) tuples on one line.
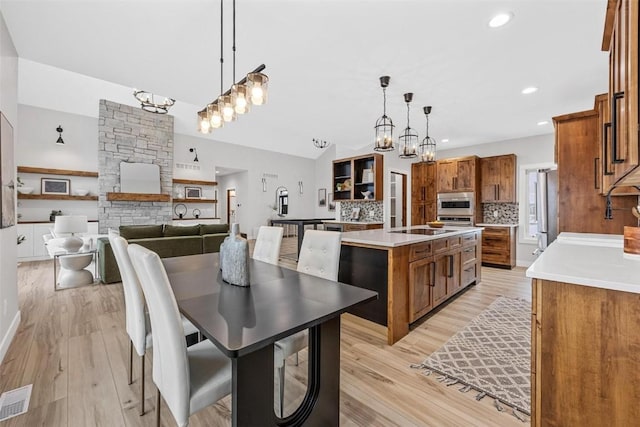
[(332, 204), (192, 192), (55, 186), (322, 197)]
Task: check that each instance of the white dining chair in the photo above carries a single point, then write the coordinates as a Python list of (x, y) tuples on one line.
[(189, 378), (319, 256), (268, 242), (136, 320)]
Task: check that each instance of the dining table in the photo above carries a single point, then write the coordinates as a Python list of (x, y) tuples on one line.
[(300, 223), (245, 322)]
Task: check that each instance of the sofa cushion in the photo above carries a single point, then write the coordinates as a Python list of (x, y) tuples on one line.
[(140, 231), (172, 246), (181, 230), (213, 229)]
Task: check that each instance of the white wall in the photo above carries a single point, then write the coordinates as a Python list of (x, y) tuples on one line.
[(324, 179), (531, 150), (9, 313)]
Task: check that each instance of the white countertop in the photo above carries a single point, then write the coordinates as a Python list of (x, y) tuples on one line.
[(387, 239), (496, 225), (595, 260), (336, 221)]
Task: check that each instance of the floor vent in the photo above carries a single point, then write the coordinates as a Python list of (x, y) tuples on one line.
[(15, 402)]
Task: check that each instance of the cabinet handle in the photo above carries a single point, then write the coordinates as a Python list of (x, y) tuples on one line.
[(468, 250), (614, 127), (596, 183), (433, 273), (424, 195), (605, 147), (450, 266)]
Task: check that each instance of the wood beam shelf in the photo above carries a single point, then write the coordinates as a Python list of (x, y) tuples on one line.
[(47, 171), (193, 182), (137, 197), (55, 197), (176, 200)]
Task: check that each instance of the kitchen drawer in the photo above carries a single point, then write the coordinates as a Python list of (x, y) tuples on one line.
[(454, 242), (468, 254), (469, 239), (468, 275), (419, 251), (354, 227), (440, 245), (498, 232), (499, 258)]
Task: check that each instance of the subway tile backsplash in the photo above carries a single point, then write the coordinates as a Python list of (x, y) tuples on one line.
[(507, 213)]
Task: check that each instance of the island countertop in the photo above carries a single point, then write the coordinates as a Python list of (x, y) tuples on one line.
[(595, 260), (388, 237)]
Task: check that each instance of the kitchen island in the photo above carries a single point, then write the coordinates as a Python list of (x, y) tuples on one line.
[(413, 269), (584, 334)]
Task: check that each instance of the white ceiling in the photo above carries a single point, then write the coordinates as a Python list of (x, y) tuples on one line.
[(324, 58)]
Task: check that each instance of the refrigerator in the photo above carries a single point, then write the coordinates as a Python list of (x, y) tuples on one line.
[(546, 207)]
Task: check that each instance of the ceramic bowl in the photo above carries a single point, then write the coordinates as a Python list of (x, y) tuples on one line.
[(81, 192), (25, 190), (435, 224)]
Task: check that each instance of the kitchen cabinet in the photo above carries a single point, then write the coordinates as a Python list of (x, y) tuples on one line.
[(581, 206), (499, 247), (498, 179), (621, 41), (33, 248), (354, 176), (423, 193), (457, 174)]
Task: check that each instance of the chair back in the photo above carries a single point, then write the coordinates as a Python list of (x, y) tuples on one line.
[(320, 254), (170, 363), (135, 319), (268, 242)]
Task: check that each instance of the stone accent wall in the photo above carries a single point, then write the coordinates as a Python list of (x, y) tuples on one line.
[(507, 213), (365, 208), (130, 134)]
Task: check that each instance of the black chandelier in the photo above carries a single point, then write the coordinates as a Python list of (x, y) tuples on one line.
[(427, 148), (148, 103), (319, 143), (409, 139), (384, 125), (251, 90)]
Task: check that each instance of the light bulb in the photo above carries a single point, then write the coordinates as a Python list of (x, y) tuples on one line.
[(257, 95), (204, 126)]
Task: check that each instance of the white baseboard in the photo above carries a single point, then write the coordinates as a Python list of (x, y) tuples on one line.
[(6, 340), (523, 263)]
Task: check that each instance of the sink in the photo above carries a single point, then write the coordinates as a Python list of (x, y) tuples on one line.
[(423, 231)]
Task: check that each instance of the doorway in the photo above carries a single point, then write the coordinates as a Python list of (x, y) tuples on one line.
[(231, 206), (397, 204)]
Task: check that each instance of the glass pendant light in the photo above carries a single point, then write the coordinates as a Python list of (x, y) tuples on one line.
[(258, 84), (240, 98), (215, 116), (409, 138), (384, 125), (427, 148), (226, 106), (203, 122)]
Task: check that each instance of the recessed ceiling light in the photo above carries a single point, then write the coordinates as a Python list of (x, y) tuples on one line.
[(543, 122), (529, 90), (500, 19), (217, 171), (445, 140)]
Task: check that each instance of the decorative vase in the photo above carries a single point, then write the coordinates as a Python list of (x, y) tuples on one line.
[(234, 258)]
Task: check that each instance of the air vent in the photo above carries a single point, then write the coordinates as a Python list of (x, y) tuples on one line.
[(15, 402), (187, 166)]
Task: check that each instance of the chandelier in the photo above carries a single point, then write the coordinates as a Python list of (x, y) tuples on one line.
[(251, 90), (148, 102), (427, 148), (319, 143), (384, 125), (409, 138)]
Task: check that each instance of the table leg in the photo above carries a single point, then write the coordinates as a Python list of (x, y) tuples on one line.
[(252, 389), (300, 236), (55, 273)]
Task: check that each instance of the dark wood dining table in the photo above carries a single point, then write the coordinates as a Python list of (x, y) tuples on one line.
[(245, 322), (300, 223)]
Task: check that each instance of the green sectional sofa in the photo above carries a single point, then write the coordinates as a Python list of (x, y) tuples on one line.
[(166, 240)]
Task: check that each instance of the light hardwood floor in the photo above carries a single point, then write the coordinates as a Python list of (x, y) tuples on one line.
[(72, 346)]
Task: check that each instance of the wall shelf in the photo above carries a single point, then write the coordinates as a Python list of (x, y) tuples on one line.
[(193, 182), (47, 171), (176, 200), (137, 197), (55, 197)]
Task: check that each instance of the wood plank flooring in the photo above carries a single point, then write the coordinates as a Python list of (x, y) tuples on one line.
[(73, 347)]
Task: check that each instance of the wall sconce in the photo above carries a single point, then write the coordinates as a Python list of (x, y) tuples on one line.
[(300, 186), (193, 150), (60, 141), (264, 185)]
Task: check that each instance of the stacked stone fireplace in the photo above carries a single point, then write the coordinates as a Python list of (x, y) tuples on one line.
[(130, 134)]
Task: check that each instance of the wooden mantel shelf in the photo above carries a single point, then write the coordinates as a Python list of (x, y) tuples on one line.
[(47, 171), (176, 200), (137, 197), (55, 197), (193, 182)]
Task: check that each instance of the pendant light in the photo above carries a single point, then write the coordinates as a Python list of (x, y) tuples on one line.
[(427, 148), (384, 125), (215, 116), (409, 139)]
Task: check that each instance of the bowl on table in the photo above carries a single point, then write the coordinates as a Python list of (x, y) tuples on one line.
[(435, 224), (25, 190)]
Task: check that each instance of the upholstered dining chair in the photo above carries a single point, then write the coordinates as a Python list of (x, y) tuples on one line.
[(189, 378), (136, 320), (268, 242), (319, 256)]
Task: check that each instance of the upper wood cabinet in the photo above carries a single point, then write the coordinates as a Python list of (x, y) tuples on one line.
[(621, 41), (498, 178), (423, 193), (457, 174), (354, 176)]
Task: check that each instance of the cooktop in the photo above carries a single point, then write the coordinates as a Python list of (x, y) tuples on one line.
[(424, 231)]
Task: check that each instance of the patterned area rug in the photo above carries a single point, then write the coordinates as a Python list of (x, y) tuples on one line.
[(492, 355)]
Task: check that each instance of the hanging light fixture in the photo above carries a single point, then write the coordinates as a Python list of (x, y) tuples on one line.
[(409, 139), (319, 143), (148, 103), (384, 125), (427, 148), (252, 89), (60, 141)]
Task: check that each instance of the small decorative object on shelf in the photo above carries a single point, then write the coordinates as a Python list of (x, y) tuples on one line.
[(53, 214), (180, 210), (234, 258), (196, 213)]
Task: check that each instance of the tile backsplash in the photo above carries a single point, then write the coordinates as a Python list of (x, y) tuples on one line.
[(507, 213), (365, 207)]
